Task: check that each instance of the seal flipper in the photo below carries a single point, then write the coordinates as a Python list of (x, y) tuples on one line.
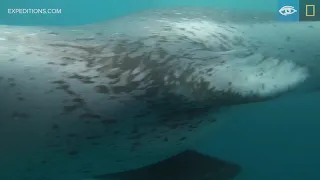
[(188, 165)]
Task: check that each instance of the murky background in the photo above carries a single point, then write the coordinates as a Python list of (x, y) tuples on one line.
[(274, 140)]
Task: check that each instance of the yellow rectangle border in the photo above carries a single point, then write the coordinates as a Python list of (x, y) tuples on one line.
[(313, 10)]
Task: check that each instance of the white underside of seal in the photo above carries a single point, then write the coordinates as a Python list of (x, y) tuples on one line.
[(55, 104)]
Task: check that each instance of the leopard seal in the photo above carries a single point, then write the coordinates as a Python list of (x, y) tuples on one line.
[(107, 97)]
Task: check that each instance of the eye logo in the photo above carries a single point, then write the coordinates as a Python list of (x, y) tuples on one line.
[(287, 10)]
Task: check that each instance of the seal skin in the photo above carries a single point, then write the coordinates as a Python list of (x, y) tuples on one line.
[(108, 97)]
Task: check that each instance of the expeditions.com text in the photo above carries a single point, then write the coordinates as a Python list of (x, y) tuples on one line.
[(34, 11)]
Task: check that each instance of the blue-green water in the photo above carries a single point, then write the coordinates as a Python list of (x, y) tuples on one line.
[(278, 140), (84, 11)]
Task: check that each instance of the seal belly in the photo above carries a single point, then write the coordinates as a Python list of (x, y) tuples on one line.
[(94, 99)]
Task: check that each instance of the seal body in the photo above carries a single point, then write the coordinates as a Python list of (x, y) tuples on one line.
[(87, 100)]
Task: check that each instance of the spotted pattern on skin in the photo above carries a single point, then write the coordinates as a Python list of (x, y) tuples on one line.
[(103, 94)]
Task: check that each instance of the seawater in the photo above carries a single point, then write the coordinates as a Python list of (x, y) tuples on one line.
[(84, 11), (276, 140)]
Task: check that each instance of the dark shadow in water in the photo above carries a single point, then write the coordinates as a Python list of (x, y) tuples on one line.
[(189, 165)]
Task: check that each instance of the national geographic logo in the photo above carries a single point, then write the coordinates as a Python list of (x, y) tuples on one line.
[(309, 10)]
